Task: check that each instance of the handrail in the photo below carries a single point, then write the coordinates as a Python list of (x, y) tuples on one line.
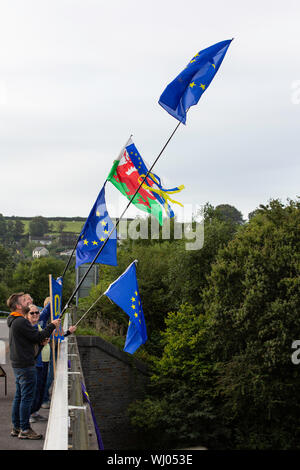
[(70, 422), (57, 430)]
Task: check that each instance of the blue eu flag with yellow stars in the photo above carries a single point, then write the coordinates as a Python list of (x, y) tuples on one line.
[(94, 233), (188, 87), (125, 293)]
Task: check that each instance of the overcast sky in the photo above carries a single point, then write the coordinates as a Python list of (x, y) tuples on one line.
[(77, 77)]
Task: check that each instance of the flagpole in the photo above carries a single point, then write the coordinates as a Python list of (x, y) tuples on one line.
[(70, 258), (78, 239), (89, 309), (118, 221)]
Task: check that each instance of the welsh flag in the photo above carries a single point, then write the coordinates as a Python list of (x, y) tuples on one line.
[(127, 173)]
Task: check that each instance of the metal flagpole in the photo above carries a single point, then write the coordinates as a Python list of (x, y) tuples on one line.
[(70, 258), (78, 239), (117, 223), (89, 309)]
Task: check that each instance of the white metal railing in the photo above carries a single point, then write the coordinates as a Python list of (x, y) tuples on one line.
[(70, 420), (58, 421)]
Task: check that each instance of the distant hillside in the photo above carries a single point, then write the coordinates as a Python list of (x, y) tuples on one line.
[(71, 224)]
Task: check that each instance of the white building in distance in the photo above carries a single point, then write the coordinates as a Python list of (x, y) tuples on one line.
[(40, 251)]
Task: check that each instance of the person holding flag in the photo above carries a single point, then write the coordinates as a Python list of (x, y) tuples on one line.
[(22, 341)]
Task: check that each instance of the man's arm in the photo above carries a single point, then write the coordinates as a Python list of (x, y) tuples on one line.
[(24, 327)]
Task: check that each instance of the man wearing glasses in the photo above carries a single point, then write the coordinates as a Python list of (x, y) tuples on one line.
[(23, 340)]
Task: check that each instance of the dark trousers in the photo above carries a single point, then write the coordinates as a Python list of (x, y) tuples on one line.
[(42, 373), (24, 396)]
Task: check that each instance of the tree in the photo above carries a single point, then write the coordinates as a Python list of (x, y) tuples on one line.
[(178, 410), (252, 303), (187, 271), (38, 226), (18, 230), (5, 275), (32, 276), (151, 269), (3, 228), (229, 213), (223, 212), (225, 377), (60, 226)]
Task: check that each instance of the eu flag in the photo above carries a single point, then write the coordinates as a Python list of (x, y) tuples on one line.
[(188, 87), (125, 293), (94, 233)]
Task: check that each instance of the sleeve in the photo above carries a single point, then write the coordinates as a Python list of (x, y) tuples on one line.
[(39, 350), (33, 335), (45, 315)]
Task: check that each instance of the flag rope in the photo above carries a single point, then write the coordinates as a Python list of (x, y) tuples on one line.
[(117, 223)]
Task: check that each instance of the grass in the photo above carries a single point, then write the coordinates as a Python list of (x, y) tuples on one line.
[(117, 341), (69, 226)]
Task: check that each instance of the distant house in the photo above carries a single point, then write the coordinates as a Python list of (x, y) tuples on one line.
[(40, 251), (66, 253), (46, 240)]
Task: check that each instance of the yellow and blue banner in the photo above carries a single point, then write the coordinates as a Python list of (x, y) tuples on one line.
[(56, 287)]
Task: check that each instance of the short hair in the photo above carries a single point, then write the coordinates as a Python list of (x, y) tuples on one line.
[(13, 300), (47, 301), (32, 305)]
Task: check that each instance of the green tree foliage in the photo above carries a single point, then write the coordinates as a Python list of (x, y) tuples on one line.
[(5, 276), (32, 276), (225, 378), (188, 270), (152, 267), (38, 226), (229, 213), (223, 212), (11, 230), (18, 230), (253, 303), (178, 408), (3, 228)]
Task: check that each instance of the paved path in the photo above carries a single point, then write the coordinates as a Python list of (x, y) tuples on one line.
[(6, 441)]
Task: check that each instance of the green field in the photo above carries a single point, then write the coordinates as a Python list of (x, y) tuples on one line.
[(69, 226)]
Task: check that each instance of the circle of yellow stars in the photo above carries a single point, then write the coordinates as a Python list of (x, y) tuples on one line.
[(102, 239), (192, 84), (135, 307)]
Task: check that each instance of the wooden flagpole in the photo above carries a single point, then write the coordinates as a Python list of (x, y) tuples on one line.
[(52, 318)]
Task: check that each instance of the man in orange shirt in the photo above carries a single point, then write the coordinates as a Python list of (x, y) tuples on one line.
[(23, 339)]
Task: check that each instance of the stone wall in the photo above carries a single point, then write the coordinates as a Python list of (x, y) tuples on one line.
[(113, 380)]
